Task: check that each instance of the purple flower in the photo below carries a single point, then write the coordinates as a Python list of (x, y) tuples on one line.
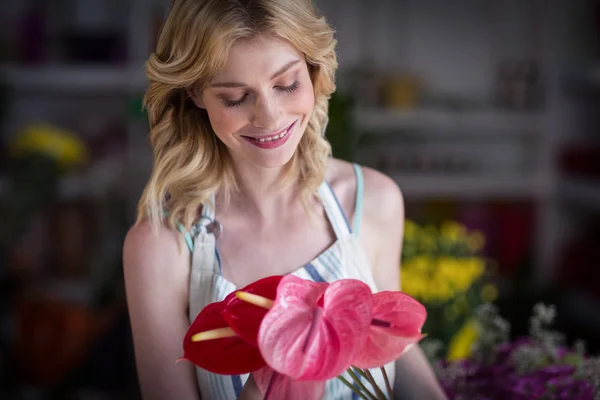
[(529, 386), (569, 388), (500, 380), (555, 371)]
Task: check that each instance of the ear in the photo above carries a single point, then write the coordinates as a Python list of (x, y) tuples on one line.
[(196, 97)]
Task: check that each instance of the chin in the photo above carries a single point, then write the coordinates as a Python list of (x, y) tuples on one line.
[(273, 162), (273, 159)]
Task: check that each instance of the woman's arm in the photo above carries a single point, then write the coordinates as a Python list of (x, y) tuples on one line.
[(156, 271), (383, 229)]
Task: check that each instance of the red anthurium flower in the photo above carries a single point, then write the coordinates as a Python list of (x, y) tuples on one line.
[(314, 330), (244, 317), (396, 325), (212, 345), (275, 386)]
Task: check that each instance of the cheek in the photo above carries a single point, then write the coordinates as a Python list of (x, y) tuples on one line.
[(225, 121), (304, 101)]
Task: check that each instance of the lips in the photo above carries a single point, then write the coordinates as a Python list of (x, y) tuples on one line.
[(271, 141), (269, 138)]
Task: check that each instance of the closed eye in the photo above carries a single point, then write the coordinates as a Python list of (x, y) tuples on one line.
[(233, 103), (288, 89)]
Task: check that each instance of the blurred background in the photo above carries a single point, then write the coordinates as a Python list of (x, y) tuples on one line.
[(484, 112)]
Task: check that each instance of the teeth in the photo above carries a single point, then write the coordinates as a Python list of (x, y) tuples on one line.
[(269, 139)]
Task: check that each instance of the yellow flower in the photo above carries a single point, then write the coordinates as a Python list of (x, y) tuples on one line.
[(453, 231), (414, 286), (61, 145), (475, 266), (410, 229), (446, 267), (440, 290), (421, 263), (476, 241), (429, 244), (426, 238), (460, 345), (489, 292)]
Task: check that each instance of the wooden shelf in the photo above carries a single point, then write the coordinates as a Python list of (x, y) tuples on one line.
[(447, 122), (418, 186), (73, 78)]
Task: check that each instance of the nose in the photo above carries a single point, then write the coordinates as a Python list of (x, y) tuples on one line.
[(266, 114)]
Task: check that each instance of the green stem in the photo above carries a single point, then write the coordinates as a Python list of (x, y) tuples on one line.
[(360, 372), (358, 392), (380, 395), (360, 384), (387, 383)]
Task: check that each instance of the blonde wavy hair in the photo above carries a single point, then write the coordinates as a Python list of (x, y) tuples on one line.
[(190, 162)]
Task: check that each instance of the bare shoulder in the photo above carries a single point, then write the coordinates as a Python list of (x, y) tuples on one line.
[(139, 239), (142, 243), (153, 256), (382, 198)]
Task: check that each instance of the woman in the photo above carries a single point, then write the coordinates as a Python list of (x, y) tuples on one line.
[(238, 106)]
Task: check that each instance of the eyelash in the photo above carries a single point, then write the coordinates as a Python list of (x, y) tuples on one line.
[(287, 89), (290, 88)]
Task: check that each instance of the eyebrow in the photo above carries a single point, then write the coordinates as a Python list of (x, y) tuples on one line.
[(281, 71)]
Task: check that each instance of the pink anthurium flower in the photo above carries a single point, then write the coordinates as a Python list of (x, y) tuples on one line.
[(276, 386), (315, 330), (396, 325)]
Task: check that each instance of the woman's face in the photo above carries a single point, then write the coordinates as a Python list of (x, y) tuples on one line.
[(260, 103)]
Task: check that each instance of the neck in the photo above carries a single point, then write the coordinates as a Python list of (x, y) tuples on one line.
[(260, 192)]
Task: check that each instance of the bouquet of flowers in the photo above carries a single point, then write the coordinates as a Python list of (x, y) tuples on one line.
[(443, 268), (293, 335), (539, 366)]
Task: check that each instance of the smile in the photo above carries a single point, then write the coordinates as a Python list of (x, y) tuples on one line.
[(272, 141)]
